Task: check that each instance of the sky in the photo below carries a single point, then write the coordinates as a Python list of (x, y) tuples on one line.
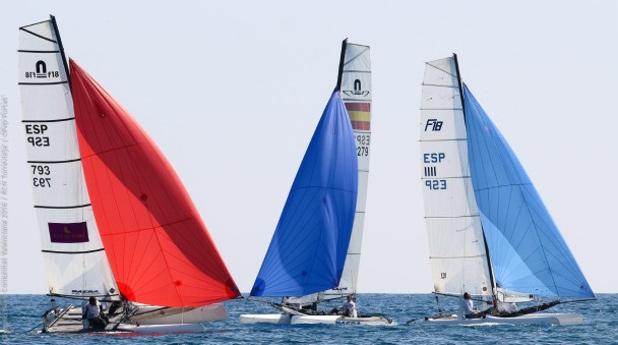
[(231, 91)]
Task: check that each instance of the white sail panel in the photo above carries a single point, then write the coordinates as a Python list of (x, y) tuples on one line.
[(356, 94), (456, 245), (75, 260)]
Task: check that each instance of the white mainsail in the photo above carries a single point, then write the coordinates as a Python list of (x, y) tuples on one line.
[(456, 244), (356, 94), (75, 261)]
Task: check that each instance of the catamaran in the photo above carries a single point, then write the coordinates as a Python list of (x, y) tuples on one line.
[(315, 251), (489, 233), (115, 221)]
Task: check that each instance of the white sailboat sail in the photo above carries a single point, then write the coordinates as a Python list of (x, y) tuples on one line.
[(456, 244), (75, 261), (356, 94)]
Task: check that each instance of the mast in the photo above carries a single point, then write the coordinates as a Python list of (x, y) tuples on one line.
[(344, 44), (463, 109), (60, 47)]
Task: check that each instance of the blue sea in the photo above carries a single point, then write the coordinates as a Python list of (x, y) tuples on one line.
[(601, 326)]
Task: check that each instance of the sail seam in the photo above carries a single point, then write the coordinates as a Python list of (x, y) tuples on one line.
[(449, 217), (435, 177), (458, 257), (356, 71), (438, 140)]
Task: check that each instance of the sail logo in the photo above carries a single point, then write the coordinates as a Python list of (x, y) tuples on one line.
[(434, 125), (358, 90), (68, 232), (85, 292), (41, 72)]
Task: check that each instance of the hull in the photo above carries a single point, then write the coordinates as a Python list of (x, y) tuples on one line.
[(162, 328), (153, 315), (147, 319), (313, 320), (266, 318), (563, 319)]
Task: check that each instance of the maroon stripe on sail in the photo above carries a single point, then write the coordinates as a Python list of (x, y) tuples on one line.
[(68, 232), (361, 125), (358, 107)]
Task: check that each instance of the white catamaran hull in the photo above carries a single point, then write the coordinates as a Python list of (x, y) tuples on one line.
[(148, 319), (563, 319), (313, 319)]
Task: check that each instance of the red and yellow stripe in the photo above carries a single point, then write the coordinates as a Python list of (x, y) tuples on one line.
[(360, 115)]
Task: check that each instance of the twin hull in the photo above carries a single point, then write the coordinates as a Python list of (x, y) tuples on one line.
[(313, 319)]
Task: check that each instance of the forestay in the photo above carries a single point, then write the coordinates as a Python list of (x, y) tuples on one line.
[(308, 249), (75, 261), (528, 253), (456, 247)]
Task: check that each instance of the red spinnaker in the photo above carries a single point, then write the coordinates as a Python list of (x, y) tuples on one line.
[(157, 245)]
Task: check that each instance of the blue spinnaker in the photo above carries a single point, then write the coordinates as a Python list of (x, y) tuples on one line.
[(527, 252), (309, 246)]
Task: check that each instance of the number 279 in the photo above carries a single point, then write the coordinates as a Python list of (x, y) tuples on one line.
[(435, 184)]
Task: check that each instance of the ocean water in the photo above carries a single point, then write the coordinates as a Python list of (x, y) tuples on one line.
[(601, 326)]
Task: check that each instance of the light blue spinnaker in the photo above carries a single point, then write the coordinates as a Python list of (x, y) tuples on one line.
[(528, 254), (308, 249)]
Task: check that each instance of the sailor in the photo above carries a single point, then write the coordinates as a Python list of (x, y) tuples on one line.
[(349, 307), (91, 314), (468, 309)]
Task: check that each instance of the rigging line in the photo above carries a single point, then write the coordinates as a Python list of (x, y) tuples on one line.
[(431, 109), (463, 106)]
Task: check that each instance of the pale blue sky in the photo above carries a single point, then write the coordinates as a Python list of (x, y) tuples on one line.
[(231, 91)]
